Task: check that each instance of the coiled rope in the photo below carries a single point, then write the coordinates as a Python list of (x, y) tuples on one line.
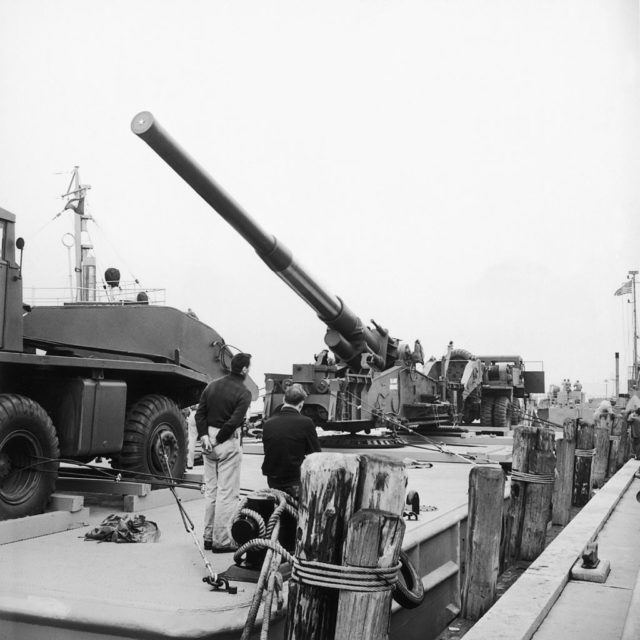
[(347, 578), (273, 559), (585, 453), (537, 478)]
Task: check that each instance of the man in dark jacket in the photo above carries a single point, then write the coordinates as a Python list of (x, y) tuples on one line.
[(219, 417), (288, 437)]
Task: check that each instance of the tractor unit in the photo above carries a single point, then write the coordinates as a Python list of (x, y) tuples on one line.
[(88, 379), (505, 385)]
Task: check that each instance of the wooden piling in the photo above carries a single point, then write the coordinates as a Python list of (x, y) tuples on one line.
[(374, 539), (532, 480), (334, 487), (482, 553), (615, 442), (601, 458), (563, 487), (382, 483), (326, 505), (582, 474), (623, 449)]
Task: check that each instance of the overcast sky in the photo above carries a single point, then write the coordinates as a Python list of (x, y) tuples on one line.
[(456, 170)]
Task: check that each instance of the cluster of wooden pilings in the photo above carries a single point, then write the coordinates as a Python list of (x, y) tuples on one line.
[(350, 515), (549, 476)]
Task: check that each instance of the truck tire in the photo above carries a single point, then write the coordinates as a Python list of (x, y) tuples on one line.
[(502, 413), (486, 412), (151, 422), (409, 591), (29, 453), (471, 407), (517, 412)]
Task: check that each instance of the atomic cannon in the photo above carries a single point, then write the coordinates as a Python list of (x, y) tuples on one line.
[(372, 379)]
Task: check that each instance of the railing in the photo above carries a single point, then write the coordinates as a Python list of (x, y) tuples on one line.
[(126, 293)]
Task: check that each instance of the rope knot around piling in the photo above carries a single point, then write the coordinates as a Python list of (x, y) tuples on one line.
[(348, 578), (537, 478), (585, 453)]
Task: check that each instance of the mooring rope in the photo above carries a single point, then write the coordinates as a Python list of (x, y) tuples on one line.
[(322, 574), (262, 543), (585, 453), (537, 478)]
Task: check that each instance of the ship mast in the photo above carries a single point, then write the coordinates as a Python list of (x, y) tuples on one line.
[(85, 266), (633, 275)]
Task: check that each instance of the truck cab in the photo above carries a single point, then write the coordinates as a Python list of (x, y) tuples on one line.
[(10, 286)]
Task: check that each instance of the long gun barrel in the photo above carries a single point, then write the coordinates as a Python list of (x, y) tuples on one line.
[(347, 336)]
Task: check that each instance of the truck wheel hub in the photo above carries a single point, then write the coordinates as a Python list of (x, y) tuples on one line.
[(165, 443)]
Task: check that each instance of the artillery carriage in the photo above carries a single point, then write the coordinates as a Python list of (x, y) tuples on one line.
[(365, 378)]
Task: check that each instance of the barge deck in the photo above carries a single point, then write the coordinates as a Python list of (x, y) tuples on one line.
[(61, 586)]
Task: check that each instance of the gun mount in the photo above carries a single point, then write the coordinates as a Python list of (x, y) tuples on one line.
[(359, 346), (375, 380)]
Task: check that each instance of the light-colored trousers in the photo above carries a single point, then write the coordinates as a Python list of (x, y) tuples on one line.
[(222, 487), (193, 438)]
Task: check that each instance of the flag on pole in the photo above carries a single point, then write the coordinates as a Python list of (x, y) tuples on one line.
[(624, 289)]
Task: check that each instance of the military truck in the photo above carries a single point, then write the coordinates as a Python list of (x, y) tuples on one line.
[(505, 385), (85, 379)]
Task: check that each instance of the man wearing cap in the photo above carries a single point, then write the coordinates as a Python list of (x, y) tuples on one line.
[(219, 417), (287, 438)]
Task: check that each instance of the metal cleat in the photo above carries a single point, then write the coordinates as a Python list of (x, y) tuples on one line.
[(220, 584)]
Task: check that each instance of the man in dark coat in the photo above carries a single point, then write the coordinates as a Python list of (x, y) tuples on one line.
[(288, 437), (219, 418)]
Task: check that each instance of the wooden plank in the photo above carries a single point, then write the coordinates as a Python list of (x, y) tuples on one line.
[(63, 502), (97, 485)]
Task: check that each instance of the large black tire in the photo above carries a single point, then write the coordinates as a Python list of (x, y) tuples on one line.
[(486, 412), (471, 407), (502, 413), (152, 422), (409, 591), (517, 412), (29, 453)]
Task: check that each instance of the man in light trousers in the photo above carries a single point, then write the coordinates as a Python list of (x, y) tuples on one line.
[(219, 418)]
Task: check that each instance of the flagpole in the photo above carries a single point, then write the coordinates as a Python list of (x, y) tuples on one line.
[(633, 275)]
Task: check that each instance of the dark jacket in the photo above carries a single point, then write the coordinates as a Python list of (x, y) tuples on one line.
[(287, 437), (223, 404)]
